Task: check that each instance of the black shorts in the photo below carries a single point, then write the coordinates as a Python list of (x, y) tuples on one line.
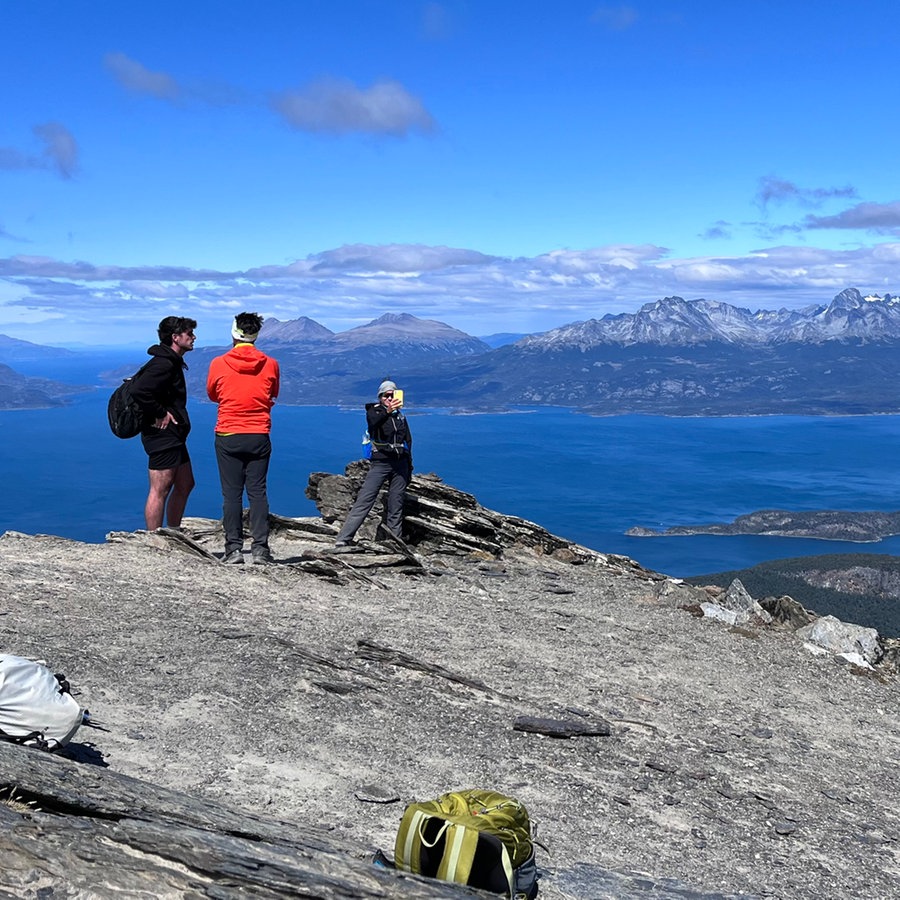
[(171, 458)]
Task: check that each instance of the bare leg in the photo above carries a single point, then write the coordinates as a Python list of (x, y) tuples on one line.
[(182, 486), (161, 481)]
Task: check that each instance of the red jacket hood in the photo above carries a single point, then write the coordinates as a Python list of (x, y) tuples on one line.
[(245, 359)]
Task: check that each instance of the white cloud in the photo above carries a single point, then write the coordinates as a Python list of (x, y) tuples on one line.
[(329, 106), (473, 291), (335, 106), (397, 258)]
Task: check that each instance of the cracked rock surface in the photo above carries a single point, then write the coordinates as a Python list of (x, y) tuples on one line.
[(277, 719)]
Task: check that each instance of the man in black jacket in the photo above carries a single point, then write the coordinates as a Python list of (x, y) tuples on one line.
[(161, 392), (391, 462)]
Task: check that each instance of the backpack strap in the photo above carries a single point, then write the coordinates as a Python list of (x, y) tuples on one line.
[(36, 738), (408, 847), (459, 854), (508, 869)]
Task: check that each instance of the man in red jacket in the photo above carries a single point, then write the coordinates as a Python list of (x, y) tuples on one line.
[(244, 382)]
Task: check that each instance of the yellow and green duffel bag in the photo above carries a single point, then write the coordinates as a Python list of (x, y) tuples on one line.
[(479, 838)]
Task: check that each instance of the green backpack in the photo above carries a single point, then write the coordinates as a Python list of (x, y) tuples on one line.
[(479, 838)]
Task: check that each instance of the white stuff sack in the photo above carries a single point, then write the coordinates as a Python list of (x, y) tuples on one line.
[(35, 710)]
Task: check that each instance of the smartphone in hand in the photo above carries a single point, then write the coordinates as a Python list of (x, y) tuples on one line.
[(398, 397)]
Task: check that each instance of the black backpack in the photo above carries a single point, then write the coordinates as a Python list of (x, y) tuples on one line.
[(126, 418)]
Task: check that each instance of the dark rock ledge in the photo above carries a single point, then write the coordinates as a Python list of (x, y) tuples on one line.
[(62, 823)]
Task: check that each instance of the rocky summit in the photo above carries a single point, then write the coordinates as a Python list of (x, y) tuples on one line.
[(258, 729)]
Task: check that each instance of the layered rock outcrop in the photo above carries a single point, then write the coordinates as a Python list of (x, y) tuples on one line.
[(261, 727)]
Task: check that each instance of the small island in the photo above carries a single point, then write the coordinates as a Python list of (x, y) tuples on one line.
[(826, 525)]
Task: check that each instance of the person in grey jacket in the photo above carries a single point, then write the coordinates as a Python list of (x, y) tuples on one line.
[(391, 462)]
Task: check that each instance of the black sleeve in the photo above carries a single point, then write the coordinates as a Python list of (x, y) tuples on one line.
[(376, 416), (151, 387)]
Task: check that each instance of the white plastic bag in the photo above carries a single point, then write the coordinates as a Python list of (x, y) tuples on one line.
[(35, 709)]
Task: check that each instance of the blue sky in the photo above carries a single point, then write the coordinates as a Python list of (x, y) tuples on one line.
[(499, 166)]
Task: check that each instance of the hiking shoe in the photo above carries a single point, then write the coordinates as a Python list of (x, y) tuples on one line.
[(235, 558), (343, 547), (262, 557)]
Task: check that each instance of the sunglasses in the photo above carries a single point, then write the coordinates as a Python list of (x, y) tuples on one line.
[(388, 394)]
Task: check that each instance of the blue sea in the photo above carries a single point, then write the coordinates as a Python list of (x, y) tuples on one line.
[(587, 478)]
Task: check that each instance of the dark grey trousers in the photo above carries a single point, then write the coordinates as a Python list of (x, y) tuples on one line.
[(396, 471), (244, 463)]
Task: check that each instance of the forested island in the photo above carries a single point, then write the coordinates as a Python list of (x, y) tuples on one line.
[(827, 524)]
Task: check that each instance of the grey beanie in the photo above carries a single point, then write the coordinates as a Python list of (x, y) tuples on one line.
[(386, 386)]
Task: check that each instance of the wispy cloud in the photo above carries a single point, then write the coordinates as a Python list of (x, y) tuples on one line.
[(61, 148), (328, 106), (59, 153), (615, 18), (138, 79), (46, 267), (6, 236), (775, 190), (882, 218), (335, 106), (397, 258), (436, 22), (717, 231), (133, 76), (12, 158)]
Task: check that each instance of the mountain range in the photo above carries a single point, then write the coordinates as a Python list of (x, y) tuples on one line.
[(320, 366), (671, 357), (15, 350), (674, 321), (678, 357)]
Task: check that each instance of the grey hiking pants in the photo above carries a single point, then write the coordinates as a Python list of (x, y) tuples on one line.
[(244, 463), (396, 471)]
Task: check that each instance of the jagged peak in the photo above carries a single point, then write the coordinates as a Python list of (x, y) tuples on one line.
[(849, 298)]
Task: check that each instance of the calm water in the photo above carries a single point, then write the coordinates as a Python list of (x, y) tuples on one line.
[(589, 479)]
